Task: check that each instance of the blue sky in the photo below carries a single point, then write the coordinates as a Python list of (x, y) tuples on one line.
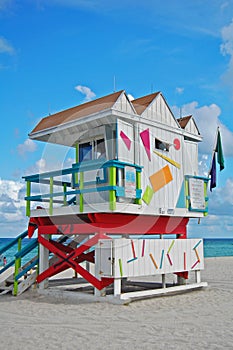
[(56, 54)]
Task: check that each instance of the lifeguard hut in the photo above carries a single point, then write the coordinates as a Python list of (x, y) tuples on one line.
[(133, 183)]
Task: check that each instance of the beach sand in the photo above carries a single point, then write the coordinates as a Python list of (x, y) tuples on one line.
[(201, 319)]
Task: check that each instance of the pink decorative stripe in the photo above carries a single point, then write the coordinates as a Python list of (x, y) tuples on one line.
[(145, 136), (169, 259), (143, 247), (126, 140)]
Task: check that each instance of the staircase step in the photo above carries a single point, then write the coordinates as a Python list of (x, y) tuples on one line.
[(5, 290)]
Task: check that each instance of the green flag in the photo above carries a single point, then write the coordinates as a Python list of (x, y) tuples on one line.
[(218, 149)]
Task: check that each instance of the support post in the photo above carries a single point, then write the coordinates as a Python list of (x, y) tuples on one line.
[(17, 267), (112, 194), (19, 248), (64, 196), (51, 196), (81, 185), (77, 152), (138, 185), (28, 203), (198, 276), (43, 262), (186, 193), (97, 292), (163, 280), (117, 287)]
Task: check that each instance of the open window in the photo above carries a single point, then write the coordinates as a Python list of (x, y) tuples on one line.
[(161, 145)]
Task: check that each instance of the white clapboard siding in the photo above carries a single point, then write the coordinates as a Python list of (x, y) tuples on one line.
[(122, 104), (144, 257), (190, 155), (125, 154), (167, 196), (159, 111), (191, 127)]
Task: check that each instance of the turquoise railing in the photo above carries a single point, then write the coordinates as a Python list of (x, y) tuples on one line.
[(20, 252), (78, 186)]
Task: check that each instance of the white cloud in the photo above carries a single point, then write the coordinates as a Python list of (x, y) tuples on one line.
[(227, 36), (179, 90), (27, 146), (207, 119), (86, 91), (12, 208), (6, 47), (226, 49)]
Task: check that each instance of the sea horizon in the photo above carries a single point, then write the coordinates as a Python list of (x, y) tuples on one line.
[(213, 247)]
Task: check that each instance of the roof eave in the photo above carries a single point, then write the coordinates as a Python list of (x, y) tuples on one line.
[(87, 119)]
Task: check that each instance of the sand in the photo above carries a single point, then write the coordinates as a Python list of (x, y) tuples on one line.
[(201, 319)]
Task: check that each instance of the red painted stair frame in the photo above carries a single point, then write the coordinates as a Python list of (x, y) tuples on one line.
[(72, 259)]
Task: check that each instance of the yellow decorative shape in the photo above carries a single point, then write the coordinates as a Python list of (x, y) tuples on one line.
[(161, 178), (168, 159)]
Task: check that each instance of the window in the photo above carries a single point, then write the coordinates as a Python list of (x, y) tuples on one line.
[(100, 149), (92, 150), (85, 151), (161, 145)]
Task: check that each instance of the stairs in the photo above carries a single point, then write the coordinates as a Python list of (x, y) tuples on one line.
[(15, 278)]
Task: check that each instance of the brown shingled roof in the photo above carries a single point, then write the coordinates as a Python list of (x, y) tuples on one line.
[(77, 112), (184, 121), (140, 104)]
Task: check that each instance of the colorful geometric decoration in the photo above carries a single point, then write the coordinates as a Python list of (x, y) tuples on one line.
[(161, 178), (181, 199), (143, 247), (184, 261), (133, 252), (169, 259), (171, 245), (176, 144), (161, 260), (153, 260), (171, 161), (145, 136), (120, 267), (148, 194), (126, 140)]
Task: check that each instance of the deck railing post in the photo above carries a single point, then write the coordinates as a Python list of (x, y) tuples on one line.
[(81, 186), (138, 186), (112, 182), (17, 267), (187, 192), (51, 196), (28, 203), (64, 196)]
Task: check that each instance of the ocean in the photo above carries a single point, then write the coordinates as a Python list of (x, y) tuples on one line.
[(212, 248), (9, 254)]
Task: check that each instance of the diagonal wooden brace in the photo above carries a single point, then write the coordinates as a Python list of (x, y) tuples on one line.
[(71, 258)]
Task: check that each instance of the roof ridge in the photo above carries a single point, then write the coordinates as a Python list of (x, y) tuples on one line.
[(141, 103)]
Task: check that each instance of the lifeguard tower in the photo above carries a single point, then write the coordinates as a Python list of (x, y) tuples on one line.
[(133, 183)]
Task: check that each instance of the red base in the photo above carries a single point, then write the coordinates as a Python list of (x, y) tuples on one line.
[(124, 224), (98, 224)]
